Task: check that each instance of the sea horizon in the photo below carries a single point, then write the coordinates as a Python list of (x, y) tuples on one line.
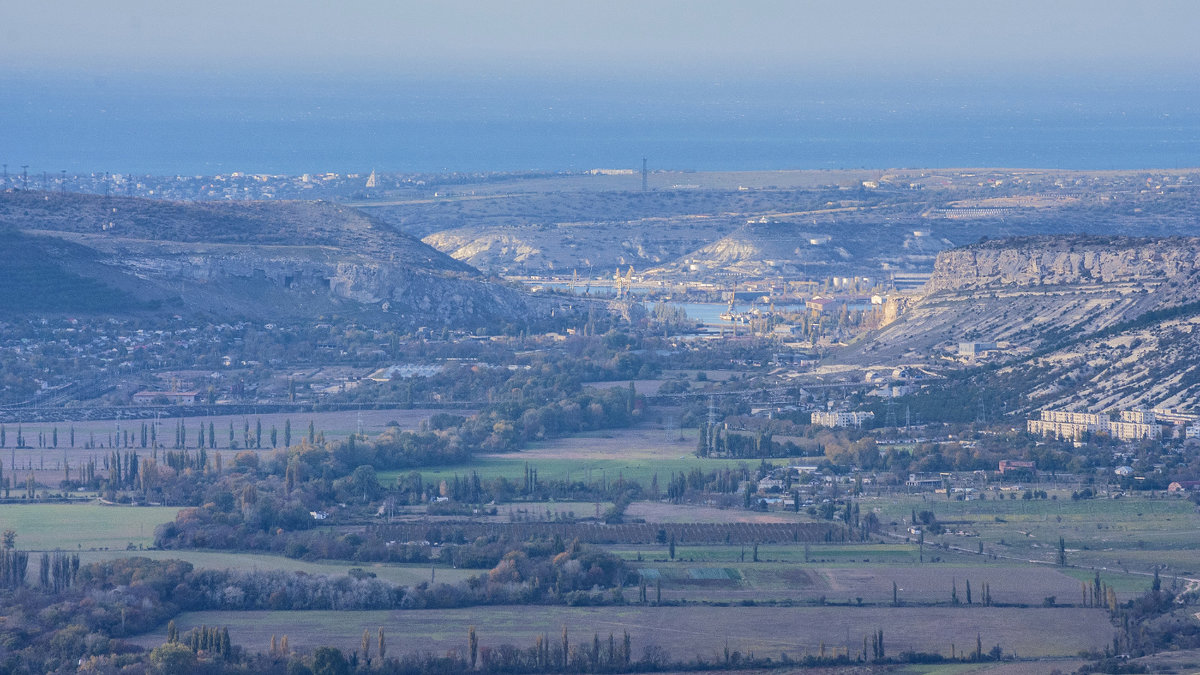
[(155, 125)]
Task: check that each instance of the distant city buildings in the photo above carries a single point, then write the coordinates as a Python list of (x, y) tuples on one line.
[(1133, 425)]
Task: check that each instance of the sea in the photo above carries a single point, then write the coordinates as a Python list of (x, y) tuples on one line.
[(203, 124)]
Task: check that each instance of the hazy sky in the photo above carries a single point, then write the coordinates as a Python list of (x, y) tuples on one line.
[(605, 37)]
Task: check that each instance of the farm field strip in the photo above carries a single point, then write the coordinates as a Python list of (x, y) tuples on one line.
[(46, 463), (402, 574), (335, 423), (763, 630), (871, 584), (637, 453), (512, 466), (1135, 531)]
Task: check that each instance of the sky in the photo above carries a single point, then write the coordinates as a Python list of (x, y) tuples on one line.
[(648, 39)]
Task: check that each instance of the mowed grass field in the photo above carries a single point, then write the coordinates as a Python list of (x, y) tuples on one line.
[(83, 527), (46, 463), (1132, 533), (633, 454), (684, 632)]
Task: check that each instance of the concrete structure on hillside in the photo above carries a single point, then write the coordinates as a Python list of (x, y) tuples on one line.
[(975, 348)]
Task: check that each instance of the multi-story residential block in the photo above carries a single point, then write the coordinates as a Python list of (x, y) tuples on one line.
[(841, 418), (1133, 425)]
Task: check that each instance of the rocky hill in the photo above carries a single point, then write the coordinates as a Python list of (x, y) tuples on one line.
[(267, 259), (263, 223), (561, 248), (1095, 322), (816, 245)]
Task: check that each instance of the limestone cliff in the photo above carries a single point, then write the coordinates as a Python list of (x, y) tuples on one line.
[(1081, 321), (1049, 261)]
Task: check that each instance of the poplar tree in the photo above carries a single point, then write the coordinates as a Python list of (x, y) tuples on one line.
[(473, 644)]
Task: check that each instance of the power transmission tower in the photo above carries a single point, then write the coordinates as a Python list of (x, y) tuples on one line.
[(712, 420)]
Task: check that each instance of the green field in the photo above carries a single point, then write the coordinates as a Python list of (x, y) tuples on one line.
[(1123, 584), (102, 532), (77, 527), (635, 454), (685, 632), (395, 573), (1134, 532), (587, 470)]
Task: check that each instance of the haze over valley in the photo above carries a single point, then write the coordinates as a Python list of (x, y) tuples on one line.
[(561, 337)]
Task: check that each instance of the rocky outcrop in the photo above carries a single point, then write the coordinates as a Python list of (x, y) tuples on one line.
[(1036, 292), (295, 281), (1084, 322), (1050, 261)]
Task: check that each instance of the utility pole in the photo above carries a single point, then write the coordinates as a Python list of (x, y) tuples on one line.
[(62, 184), (643, 174), (24, 177)]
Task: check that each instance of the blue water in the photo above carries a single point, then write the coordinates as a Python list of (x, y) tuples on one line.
[(190, 124)]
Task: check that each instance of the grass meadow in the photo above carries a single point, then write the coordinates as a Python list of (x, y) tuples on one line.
[(633, 454), (83, 527), (1133, 533)]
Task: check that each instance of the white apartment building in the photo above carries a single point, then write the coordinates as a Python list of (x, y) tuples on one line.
[(841, 418), (1133, 425)]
